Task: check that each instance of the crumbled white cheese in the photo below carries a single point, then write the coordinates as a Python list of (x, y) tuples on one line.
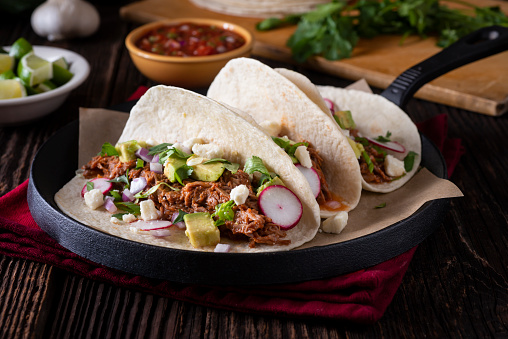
[(336, 223), (239, 194), (189, 143), (134, 229), (129, 217), (393, 166), (303, 156), (115, 220), (195, 160), (151, 142), (94, 198), (273, 128), (208, 151), (148, 210)]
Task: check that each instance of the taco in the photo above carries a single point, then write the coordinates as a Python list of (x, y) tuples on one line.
[(386, 141), (189, 173), (296, 123)]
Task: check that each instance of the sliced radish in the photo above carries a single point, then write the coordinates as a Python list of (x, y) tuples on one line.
[(330, 105), (389, 145), (137, 185), (312, 178), (101, 184), (143, 154), (150, 225), (281, 205)]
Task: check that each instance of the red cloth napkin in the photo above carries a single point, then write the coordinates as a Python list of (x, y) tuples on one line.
[(360, 297)]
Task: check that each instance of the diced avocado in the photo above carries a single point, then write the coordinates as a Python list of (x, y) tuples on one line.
[(208, 172), (344, 119), (127, 149), (201, 230), (356, 147), (273, 181), (171, 166)]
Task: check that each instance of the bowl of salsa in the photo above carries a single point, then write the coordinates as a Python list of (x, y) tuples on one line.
[(186, 52)]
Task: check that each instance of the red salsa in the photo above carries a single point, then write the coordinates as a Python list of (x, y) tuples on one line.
[(188, 39)]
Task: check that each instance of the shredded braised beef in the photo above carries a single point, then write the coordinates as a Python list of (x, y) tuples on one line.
[(197, 196), (378, 175)]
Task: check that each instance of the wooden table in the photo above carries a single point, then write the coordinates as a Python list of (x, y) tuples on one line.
[(456, 285)]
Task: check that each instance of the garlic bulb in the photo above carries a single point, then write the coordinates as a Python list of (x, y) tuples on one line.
[(62, 19)]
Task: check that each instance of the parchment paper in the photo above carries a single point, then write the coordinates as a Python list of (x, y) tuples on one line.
[(101, 125)]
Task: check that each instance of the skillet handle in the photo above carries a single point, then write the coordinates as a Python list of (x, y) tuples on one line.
[(480, 44)]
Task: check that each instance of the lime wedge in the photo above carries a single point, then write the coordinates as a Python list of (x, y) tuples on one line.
[(6, 62), (34, 70), (46, 86), (10, 89), (61, 62), (20, 48), (7, 75), (61, 75)]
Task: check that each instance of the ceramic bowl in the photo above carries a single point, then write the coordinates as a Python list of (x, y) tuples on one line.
[(33, 107), (187, 72)]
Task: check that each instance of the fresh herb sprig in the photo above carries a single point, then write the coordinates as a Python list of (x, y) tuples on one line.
[(332, 30)]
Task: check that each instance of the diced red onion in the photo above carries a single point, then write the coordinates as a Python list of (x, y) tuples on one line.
[(127, 195), (160, 233), (330, 105), (109, 204), (156, 167), (180, 224), (137, 185), (155, 158), (143, 154), (222, 248)]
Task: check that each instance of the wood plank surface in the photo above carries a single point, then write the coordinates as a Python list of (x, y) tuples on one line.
[(478, 87), (456, 285)]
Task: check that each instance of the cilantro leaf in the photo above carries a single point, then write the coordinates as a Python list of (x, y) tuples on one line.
[(152, 190), (255, 164), (409, 161), (385, 138), (128, 207), (159, 148), (89, 186), (140, 163), (179, 218), (183, 173), (382, 205), (108, 149), (122, 178), (230, 166)]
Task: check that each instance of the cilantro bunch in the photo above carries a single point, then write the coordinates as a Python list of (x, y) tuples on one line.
[(332, 30)]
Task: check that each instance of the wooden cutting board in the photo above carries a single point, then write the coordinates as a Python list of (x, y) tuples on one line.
[(480, 87)]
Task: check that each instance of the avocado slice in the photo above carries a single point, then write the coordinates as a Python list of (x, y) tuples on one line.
[(171, 166), (127, 149), (344, 119), (201, 230), (273, 181), (208, 172)]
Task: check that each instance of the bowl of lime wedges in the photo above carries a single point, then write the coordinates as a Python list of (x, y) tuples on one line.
[(36, 80)]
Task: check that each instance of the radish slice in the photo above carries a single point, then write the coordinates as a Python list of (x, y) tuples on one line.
[(330, 105), (312, 178), (281, 205), (151, 225), (127, 195), (143, 154), (137, 185), (101, 184), (156, 167), (389, 145), (109, 204)]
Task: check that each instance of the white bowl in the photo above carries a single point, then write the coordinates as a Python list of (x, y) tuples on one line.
[(23, 110)]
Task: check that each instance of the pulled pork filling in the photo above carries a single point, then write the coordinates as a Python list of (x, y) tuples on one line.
[(378, 175), (197, 196)]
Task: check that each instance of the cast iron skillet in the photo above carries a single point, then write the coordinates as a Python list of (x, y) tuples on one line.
[(236, 268)]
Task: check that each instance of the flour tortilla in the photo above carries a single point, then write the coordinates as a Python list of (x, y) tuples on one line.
[(170, 114), (266, 94), (374, 115)]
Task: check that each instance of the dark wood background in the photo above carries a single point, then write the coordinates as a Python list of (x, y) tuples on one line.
[(456, 286)]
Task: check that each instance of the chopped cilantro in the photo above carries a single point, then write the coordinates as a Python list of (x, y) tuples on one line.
[(224, 212), (128, 207), (183, 173), (368, 161), (381, 205), (385, 138), (159, 148), (123, 178), (116, 195), (89, 186), (179, 218)]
